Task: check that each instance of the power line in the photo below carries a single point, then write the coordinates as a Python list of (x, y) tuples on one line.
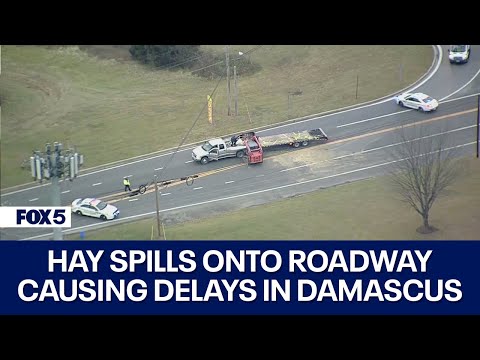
[(189, 130)]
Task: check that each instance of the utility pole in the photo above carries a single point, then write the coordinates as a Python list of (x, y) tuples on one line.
[(52, 165), (158, 207), (235, 89), (55, 160), (227, 60), (356, 89), (478, 126)]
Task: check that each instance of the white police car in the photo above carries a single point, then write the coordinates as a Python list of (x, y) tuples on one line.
[(94, 208), (417, 101)]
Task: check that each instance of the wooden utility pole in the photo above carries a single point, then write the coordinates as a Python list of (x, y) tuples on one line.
[(478, 126), (235, 89), (227, 60), (158, 207)]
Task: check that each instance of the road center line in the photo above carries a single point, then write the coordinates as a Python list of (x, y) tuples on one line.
[(34, 199), (165, 194), (229, 182), (66, 191), (160, 168), (402, 126), (198, 188), (96, 184), (133, 200)]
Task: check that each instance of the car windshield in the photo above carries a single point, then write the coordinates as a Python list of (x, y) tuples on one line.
[(207, 146), (427, 100), (101, 205), (458, 48)]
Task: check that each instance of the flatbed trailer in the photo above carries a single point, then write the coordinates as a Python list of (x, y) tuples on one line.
[(295, 139)]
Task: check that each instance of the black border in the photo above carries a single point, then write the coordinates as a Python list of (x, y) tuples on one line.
[(233, 22)]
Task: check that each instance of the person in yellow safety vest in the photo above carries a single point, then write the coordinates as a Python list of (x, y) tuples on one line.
[(126, 182)]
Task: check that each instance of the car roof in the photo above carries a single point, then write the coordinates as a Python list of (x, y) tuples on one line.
[(89, 201), (421, 95)]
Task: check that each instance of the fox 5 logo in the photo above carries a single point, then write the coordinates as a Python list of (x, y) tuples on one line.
[(35, 217)]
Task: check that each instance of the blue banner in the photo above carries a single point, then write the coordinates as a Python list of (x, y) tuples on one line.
[(240, 277)]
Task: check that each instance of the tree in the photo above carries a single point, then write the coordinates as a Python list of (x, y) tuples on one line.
[(169, 56), (424, 167)]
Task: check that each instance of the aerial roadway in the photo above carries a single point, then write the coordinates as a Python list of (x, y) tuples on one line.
[(360, 141)]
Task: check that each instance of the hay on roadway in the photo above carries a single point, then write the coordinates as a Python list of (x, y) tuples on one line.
[(111, 108)]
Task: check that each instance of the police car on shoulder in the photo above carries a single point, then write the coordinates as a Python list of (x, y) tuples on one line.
[(94, 208)]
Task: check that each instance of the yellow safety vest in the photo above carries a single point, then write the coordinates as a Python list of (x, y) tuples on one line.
[(126, 182)]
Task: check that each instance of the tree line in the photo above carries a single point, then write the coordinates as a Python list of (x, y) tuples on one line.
[(194, 58)]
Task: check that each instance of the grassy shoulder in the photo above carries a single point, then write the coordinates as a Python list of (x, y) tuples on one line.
[(112, 108), (364, 210)]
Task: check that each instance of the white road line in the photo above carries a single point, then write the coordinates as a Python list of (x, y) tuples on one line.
[(128, 176), (66, 191), (246, 194), (198, 188), (165, 194), (461, 97), (34, 199), (463, 87), (260, 175), (374, 118), (229, 182), (133, 200), (160, 168), (399, 143), (96, 184), (296, 167), (189, 161)]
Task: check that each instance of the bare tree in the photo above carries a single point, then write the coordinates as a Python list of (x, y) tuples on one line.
[(424, 167)]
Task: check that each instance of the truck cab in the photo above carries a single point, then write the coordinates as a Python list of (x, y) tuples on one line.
[(458, 53), (216, 149)]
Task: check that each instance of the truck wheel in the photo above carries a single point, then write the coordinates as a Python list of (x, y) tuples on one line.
[(296, 145), (305, 143), (204, 160), (240, 154)]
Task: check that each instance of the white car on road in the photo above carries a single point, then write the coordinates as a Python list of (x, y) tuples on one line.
[(459, 53), (417, 101), (94, 208)]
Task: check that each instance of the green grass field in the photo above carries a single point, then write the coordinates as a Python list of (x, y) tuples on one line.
[(364, 210), (112, 108)]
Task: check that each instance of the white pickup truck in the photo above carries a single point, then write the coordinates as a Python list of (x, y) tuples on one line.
[(224, 148), (216, 149)]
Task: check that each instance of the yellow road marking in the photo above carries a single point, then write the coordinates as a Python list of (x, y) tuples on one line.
[(404, 126)]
